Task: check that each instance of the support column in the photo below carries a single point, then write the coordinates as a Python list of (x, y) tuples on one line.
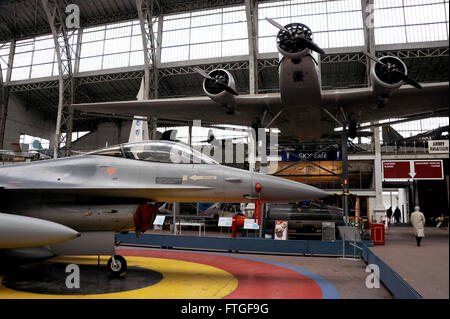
[(175, 212), (252, 30), (4, 93), (153, 128), (64, 53), (345, 189), (369, 33), (251, 156), (416, 193), (146, 12), (152, 49), (190, 136), (378, 211), (3, 107)]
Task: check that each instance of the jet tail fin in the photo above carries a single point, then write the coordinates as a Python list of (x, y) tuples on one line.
[(390, 134), (139, 127)]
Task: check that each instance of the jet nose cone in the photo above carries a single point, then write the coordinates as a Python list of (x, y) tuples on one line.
[(276, 189)]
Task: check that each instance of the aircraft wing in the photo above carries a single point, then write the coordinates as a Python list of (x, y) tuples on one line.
[(361, 103), (404, 102), (248, 108)]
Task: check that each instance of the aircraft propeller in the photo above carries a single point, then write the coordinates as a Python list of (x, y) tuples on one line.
[(392, 70), (297, 37), (217, 81)]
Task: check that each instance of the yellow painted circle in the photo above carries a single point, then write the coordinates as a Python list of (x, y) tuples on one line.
[(181, 280)]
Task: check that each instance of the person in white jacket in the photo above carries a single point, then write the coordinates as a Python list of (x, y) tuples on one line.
[(418, 222)]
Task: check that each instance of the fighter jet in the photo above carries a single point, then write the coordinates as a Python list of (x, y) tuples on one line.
[(392, 137), (16, 154), (301, 108), (99, 193)]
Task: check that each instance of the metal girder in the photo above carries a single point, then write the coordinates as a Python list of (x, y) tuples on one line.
[(110, 18), (342, 58), (182, 6), (417, 53), (251, 11), (123, 76), (34, 86), (61, 36), (268, 63), (146, 10), (240, 65)]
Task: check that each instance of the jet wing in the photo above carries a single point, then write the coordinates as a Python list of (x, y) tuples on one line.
[(248, 107), (404, 102)]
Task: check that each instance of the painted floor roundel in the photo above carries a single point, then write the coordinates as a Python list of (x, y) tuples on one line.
[(164, 274)]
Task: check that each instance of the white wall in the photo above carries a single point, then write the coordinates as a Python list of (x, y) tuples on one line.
[(21, 120), (390, 201), (404, 202)]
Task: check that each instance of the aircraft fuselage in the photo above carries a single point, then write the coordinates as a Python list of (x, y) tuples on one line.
[(96, 192), (300, 91)]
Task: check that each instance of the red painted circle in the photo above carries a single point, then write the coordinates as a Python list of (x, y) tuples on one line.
[(256, 279), (258, 187)]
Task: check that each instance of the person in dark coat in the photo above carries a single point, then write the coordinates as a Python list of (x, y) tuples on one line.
[(397, 215), (389, 213)]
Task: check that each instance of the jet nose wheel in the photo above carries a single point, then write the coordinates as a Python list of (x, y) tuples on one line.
[(117, 266)]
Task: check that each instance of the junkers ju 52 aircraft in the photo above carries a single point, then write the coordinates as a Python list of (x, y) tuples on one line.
[(99, 193), (301, 108)]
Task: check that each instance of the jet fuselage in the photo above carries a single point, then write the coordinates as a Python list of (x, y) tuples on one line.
[(98, 192)]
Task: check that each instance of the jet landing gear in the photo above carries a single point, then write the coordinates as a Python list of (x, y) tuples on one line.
[(117, 266)]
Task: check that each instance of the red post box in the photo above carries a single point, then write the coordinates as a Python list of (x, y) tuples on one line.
[(377, 234)]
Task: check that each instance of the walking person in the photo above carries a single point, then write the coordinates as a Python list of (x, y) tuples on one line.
[(397, 215), (389, 215), (418, 222)]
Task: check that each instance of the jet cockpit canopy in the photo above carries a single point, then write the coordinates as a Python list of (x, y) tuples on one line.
[(157, 151)]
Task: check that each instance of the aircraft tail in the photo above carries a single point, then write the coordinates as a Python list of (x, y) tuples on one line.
[(139, 127), (390, 134)]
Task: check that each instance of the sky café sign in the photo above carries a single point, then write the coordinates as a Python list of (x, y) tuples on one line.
[(294, 156)]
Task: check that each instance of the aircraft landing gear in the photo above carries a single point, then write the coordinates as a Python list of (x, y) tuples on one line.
[(117, 266)]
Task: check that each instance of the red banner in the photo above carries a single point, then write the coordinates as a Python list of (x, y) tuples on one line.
[(413, 169)]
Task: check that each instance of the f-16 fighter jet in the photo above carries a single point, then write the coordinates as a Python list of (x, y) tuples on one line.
[(100, 193)]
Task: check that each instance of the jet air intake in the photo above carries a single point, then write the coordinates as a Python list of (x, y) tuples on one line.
[(219, 86)]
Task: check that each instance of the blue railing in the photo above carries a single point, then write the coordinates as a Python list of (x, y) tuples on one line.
[(240, 244)]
